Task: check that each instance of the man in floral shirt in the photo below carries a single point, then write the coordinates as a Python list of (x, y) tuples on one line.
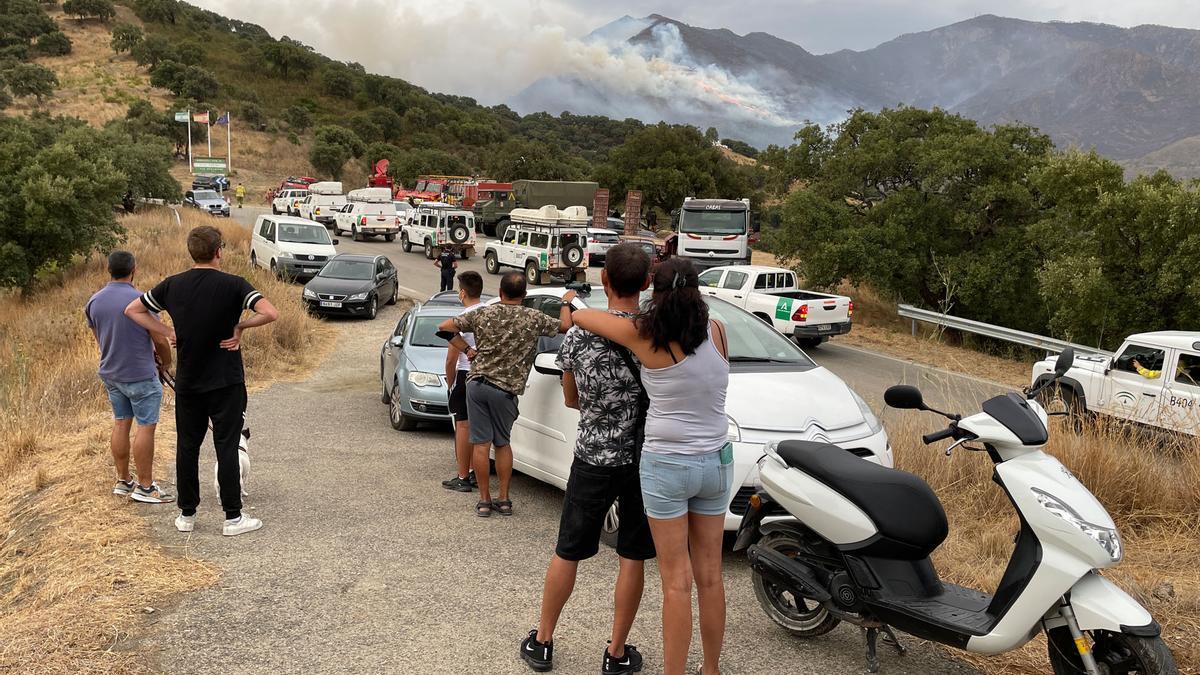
[(599, 380)]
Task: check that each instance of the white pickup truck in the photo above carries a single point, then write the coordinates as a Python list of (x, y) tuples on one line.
[(324, 200), (369, 212), (1153, 379), (771, 294)]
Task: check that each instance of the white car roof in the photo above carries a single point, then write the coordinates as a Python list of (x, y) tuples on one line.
[(1175, 339), (753, 269), (291, 220), (606, 230)]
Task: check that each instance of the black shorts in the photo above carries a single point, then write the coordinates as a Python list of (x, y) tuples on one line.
[(591, 491), (458, 397)]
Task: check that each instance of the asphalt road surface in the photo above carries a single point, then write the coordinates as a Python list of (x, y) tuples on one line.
[(366, 564)]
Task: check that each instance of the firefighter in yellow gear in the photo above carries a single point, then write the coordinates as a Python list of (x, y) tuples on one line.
[(240, 193)]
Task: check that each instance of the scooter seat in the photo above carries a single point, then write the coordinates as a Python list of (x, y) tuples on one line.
[(908, 515)]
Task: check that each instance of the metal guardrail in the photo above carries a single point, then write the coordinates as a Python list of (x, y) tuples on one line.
[(994, 332)]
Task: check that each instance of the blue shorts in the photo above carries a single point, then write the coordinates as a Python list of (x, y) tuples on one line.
[(674, 485), (139, 400)]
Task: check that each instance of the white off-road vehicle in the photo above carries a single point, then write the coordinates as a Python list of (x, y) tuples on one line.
[(545, 242), (1153, 379), (434, 226)]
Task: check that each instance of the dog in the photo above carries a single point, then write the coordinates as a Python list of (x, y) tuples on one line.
[(243, 464)]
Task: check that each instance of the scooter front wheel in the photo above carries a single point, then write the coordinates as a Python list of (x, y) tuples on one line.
[(797, 615), (1114, 652)]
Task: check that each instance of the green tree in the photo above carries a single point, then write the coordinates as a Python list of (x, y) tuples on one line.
[(160, 11), (378, 151), (191, 82), (30, 79), (712, 135), (389, 122), (153, 50), (329, 158), (289, 58), (253, 114), (55, 43), (125, 37), (298, 118), (22, 21), (100, 9), (189, 53), (515, 159), (365, 128), (740, 147), (337, 135), (337, 80)]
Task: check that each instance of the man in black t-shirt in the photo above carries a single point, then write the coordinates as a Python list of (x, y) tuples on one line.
[(206, 307), (448, 262)]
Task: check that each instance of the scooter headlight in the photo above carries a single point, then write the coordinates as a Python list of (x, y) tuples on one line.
[(1106, 537)]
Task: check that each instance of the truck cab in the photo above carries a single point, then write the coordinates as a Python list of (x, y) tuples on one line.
[(1153, 379), (714, 232)]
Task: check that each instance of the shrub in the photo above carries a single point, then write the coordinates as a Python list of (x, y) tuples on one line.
[(101, 9), (125, 37), (342, 136), (153, 50), (329, 157), (53, 44), (190, 53), (30, 79), (253, 115), (298, 118)]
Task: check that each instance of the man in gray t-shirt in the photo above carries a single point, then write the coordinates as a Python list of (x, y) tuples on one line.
[(131, 378)]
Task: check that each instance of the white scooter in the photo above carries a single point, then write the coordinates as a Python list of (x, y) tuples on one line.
[(856, 549)]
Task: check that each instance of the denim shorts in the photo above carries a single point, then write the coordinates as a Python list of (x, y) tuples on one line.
[(673, 485), (139, 400)]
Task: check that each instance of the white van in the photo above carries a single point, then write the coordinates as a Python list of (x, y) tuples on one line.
[(323, 202), (290, 247), (370, 212)]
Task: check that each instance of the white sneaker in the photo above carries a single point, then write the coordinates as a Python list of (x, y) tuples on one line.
[(241, 525), (185, 523)]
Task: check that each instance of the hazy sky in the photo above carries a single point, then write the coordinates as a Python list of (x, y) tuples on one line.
[(492, 50)]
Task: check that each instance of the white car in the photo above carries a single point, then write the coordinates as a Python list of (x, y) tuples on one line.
[(288, 202), (775, 393), (1153, 379), (599, 240), (292, 248), (361, 219), (434, 226), (322, 203)]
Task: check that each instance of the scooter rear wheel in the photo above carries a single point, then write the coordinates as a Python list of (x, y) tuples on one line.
[(799, 616), (1115, 653)]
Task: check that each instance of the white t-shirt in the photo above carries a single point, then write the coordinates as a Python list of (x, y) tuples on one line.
[(463, 362)]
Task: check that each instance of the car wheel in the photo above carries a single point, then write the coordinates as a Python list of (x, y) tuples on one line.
[(253, 258), (395, 295), (354, 234), (491, 263), (389, 237), (405, 243), (429, 249), (808, 343), (533, 276), (400, 421), (274, 211), (275, 270), (372, 307)]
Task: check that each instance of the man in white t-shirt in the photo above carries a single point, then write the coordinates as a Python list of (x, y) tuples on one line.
[(470, 288)]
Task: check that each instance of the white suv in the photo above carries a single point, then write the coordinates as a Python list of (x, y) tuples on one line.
[(288, 201), (546, 243), (361, 218), (290, 247), (438, 226)]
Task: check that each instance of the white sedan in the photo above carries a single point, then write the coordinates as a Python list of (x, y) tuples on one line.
[(776, 392)]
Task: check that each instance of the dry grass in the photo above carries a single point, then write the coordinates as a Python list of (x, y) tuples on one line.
[(76, 564), (1148, 484)]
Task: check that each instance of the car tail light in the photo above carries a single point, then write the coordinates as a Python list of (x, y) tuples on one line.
[(363, 221), (850, 309), (801, 313), (317, 211)]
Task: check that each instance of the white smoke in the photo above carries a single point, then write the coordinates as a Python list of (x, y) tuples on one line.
[(494, 50)]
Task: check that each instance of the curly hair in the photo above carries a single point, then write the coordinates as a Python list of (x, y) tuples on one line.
[(676, 311)]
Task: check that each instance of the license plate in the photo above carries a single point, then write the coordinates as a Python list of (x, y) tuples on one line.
[(327, 303), (824, 326)]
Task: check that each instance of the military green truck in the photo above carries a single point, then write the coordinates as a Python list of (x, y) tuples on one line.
[(492, 215)]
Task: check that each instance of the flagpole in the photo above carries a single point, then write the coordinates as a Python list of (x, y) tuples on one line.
[(191, 166), (228, 142), (208, 124)]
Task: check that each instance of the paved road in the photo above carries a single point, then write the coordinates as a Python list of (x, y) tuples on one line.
[(366, 564)]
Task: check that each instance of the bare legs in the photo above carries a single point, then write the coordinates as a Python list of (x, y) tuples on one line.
[(119, 444), (560, 581), (143, 450), (504, 468), (678, 567), (463, 451)]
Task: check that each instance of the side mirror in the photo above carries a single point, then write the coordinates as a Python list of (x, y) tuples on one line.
[(904, 397), (397, 341), (547, 364), (1064, 362)]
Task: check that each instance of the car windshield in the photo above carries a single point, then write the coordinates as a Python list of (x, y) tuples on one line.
[(206, 194), (714, 222), (348, 269), (304, 234), (750, 339), (425, 332)]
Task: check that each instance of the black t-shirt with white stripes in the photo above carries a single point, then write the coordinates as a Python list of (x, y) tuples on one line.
[(205, 305)]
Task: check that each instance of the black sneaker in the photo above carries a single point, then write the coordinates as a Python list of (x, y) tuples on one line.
[(539, 655), (630, 662), (471, 479), (457, 484)]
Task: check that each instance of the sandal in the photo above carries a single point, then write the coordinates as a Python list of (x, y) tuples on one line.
[(504, 506), (483, 509)]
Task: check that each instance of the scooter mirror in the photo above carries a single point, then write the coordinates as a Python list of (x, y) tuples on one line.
[(1064, 362), (904, 397)]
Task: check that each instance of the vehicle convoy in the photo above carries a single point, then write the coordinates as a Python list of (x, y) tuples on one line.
[(546, 243), (854, 541), (368, 212), (322, 203), (714, 232), (1153, 379), (290, 247), (492, 216), (288, 201), (760, 359), (208, 201), (771, 294), (352, 285), (434, 226)]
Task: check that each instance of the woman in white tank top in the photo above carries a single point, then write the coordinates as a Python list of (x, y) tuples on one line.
[(687, 463)]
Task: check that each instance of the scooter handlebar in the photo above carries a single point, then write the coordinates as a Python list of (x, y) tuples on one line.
[(935, 436)]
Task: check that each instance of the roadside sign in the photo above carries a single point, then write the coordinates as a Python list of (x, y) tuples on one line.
[(183, 116), (633, 212), (211, 166), (600, 209)]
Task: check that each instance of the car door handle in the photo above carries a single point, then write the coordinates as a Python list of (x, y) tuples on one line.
[(738, 297), (1150, 395)]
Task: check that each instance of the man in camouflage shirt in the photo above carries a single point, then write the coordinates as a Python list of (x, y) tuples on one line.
[(506, 335)]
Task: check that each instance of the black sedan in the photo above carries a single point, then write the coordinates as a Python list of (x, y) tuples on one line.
[(352, 285)]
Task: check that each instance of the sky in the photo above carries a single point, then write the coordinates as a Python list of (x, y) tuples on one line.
[(492, 50)]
